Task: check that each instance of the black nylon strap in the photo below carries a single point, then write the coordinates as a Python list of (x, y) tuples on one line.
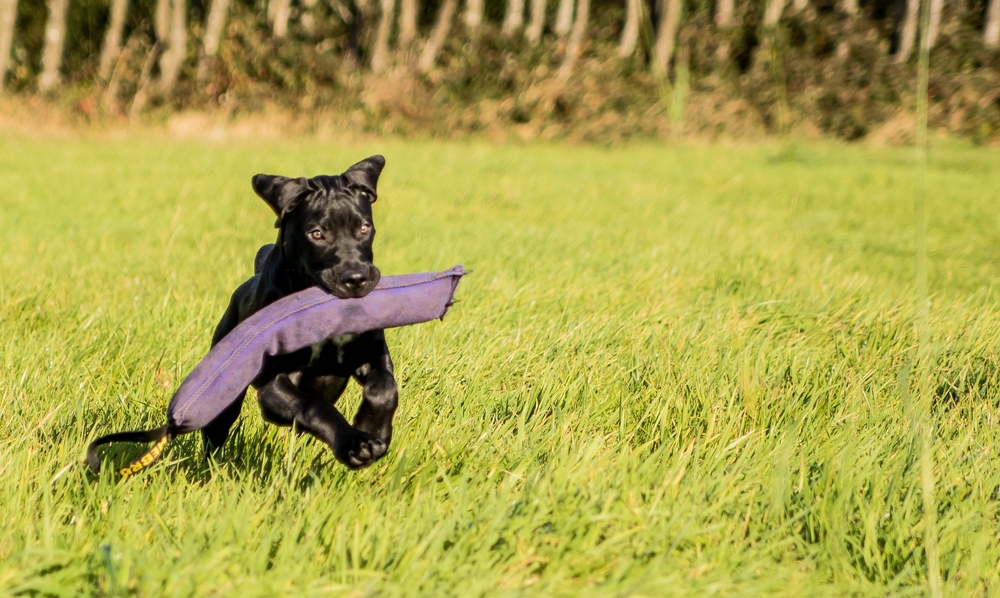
[(161, 436)]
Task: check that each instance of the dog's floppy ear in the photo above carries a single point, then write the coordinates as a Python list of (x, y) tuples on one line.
[(279, 192), (365, 174)]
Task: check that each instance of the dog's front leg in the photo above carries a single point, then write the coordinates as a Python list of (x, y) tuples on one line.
[(379, 395), (282, 403)]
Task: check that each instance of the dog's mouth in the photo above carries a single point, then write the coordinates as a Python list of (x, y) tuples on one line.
[(351, 282)]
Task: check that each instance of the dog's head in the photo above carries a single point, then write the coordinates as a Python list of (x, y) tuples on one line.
[(326, 228)]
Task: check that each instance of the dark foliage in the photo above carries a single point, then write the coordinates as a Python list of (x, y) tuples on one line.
[(820, 70)]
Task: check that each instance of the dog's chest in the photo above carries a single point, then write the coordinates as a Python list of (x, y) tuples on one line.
[(334, 346)]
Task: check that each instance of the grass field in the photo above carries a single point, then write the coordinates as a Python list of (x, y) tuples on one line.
[(674, 371)]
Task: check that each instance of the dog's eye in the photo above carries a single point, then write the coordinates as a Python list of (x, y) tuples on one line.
[(365, 228), (316, 234)]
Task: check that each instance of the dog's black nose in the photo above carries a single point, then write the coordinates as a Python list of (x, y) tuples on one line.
[(353, 279)]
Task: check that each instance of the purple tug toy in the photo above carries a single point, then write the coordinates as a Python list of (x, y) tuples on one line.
[(287, 325)]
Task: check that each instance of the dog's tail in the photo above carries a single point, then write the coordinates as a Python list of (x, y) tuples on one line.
[(262, 253), (159, 436)]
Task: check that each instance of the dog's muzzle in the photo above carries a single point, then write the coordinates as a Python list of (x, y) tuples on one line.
[(350, 281)]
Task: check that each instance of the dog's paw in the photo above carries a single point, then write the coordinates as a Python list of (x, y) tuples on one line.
[(360, 450)]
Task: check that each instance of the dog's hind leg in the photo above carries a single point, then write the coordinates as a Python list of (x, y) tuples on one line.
[(214, 435), (379, 395), (282, 403)]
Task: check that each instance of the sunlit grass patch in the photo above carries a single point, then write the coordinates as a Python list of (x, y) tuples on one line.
[(673, 370)]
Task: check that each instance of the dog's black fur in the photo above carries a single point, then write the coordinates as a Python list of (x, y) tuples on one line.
[(325, 235)]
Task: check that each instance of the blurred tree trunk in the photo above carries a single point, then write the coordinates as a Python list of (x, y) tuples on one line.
[(307, 17), (534, 31), (141, 93), (213, 34), (724, 22), (908, 37), (800, 5), (724, 14), (55, 38), (666, 36), (850, 8), (991, 35), (279, 23), (438, 35), (8, 16), (515, 16), (355, 16), (473, 14), (161, 20), (934, 26), (173, 57), (381, 50), (773, 13), (630, 31), (113, 39), (575, 39), (564, 18), (407, 23)]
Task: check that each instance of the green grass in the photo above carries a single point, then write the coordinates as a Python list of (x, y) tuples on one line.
[(673, 371)]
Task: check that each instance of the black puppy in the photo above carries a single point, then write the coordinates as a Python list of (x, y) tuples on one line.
[(325, 235)]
